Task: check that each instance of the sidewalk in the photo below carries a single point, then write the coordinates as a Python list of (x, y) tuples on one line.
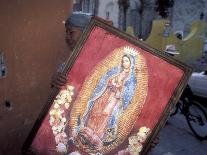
[(177, 139)]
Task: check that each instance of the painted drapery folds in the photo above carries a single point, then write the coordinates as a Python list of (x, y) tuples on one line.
[(118, 95)]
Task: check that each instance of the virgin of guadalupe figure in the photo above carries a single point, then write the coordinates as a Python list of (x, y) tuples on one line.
[(112, 95)]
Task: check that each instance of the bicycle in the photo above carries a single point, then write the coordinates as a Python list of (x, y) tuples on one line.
[(194, 113)]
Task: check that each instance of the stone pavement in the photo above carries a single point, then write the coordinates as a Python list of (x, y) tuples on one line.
[(177, 139)]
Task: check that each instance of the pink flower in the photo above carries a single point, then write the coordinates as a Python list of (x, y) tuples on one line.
[(61, 138)]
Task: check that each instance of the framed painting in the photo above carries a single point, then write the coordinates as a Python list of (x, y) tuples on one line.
[(118, 95)]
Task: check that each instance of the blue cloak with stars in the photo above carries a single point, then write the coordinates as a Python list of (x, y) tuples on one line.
[(126, 96)]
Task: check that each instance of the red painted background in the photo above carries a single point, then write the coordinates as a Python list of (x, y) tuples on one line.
[(163, 79)]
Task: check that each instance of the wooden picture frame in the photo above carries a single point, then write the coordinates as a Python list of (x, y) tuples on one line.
[(118, 96)]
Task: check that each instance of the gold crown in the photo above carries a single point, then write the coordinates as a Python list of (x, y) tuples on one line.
[(130, 51)]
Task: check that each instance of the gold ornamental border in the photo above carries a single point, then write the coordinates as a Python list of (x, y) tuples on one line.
[(132, 112)]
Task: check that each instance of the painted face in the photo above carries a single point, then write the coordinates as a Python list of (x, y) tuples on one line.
[(72, 36), (126, 62)]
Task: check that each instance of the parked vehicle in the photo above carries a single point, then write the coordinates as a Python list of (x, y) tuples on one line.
[(198, 84)]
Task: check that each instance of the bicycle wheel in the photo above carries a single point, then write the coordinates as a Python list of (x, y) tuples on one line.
[(197, 120)]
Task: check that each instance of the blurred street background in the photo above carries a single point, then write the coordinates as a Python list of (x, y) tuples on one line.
[(176, 138)]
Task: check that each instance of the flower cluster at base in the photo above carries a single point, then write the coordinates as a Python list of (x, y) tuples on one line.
[(57, 117), (136, 142)]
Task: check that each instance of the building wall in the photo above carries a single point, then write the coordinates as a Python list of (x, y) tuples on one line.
[(141, 22), (190, 49), (183, 13), (187, 11), (32, 39), (110, 6), (134, 16)]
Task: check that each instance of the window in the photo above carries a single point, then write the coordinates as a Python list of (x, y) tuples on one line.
[(107, 15), (2, 66), (179, 34)]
